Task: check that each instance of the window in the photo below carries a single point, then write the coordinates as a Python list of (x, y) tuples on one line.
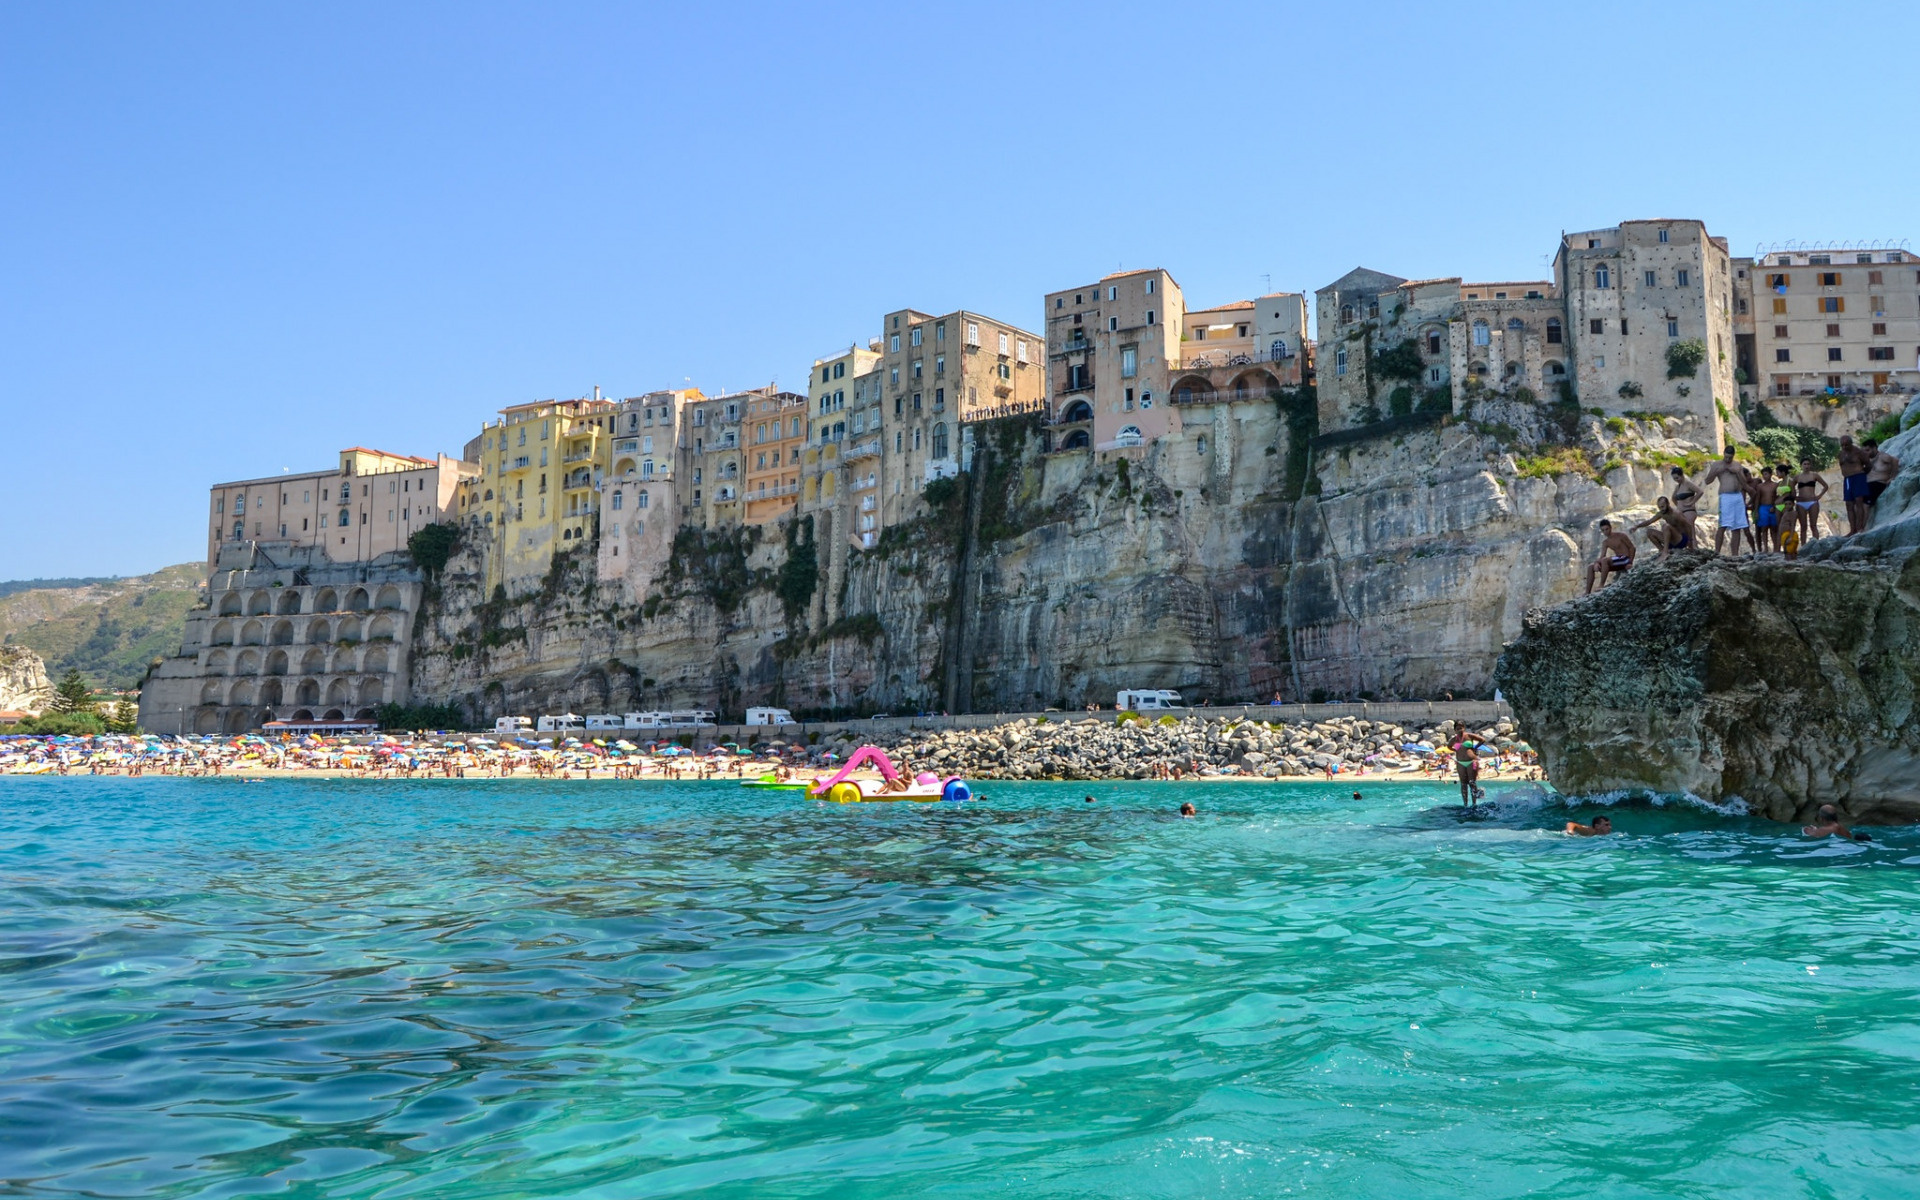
[(1779, 306), (939, 364), (1128, 405), (939, 332), (1553, 333), (916, 402), (1150, 311), (973, 333), (1593, 243), (939, 399), (1006, 372), (1741, 304), (1779, 282), (1783, 355), (1113, 326), (1113, 293), (1020, 350), (1129, 361), (1863, 258), (1663, 235), (1833, 304), (1003, 343), (1596, 326), (1779, 331), (1829, 279), (1683, 278), (1600, 361), (1199, 333), (1433, 374), (1653, 279), (1150, 281), (1346, 312), (893, 344), (1879, 329), (1481, 336), (640, 501), (1875, 276), (917, 365), (1833, 331), (1433, 342), (1819, 260), (913, 336), (617, 501), (1340, 362), (1880, 353), (940, 439), (1623, 325), (1602, 278), (1673, 329)]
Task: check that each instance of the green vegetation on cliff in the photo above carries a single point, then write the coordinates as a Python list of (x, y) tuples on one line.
[(108, 631)]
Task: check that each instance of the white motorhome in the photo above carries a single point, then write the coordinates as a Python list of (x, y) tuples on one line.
[(691, 719), (646, 720), (564, 723), (605, 721), (1142, 700), (509, 726), (769, 716)]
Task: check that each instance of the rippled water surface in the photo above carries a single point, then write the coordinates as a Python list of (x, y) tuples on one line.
[(608, 990)]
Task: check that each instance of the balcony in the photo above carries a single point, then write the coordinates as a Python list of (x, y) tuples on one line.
[(866, 449), (583, 456)]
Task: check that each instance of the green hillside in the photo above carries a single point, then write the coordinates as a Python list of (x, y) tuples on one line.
[(109, 630)]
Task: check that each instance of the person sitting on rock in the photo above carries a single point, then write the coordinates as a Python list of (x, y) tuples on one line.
[(1616, 556), (1830, 826), (1601, 827), (1675, 530)]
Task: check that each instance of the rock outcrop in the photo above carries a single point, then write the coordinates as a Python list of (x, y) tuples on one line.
[(24, 686), (1781, 684)]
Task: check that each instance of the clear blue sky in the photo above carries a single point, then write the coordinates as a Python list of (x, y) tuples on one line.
[(235, 238)]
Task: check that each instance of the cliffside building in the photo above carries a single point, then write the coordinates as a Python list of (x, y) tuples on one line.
[(1124, 353), (774, 433), (1827, 322), (541, 469), (366, 507), (639, 506), (844, 430)]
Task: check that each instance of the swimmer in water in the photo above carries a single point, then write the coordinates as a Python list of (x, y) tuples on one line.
[(1601, 827), (1830, 826), (1089, 799), (1356, 795), (1187, 809)]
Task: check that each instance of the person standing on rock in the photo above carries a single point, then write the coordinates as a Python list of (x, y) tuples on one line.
[(1766, 510), (1880, 472), (1616, 556), (1809, 487), (1733, 501), (1466, 765), (1675, 530), (1854, 465)]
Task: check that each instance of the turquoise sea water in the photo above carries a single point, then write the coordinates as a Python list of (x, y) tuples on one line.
[(448, 990)]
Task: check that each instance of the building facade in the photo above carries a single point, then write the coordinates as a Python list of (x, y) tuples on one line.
[(541, 468), (1831, 322), (774, 436), (366, 507)]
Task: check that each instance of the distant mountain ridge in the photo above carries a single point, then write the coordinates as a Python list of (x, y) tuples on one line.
[(109, 629)]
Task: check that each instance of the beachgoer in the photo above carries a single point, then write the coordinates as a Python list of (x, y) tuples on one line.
[(1616, 556), (1187, 809), (1854, 465), (1466, 765), (1089, 799), (1766, 509), (1809, 487), (1880, 473), (1356, 795), (1831, 826), (897, 784), (1675, 530), (1733, 500), (1601, 827), (1686, 494)]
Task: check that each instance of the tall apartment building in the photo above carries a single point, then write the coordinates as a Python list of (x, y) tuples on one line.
[(709, 472), (1832, 321), (369, 506), (537, 494), (844, 431), (639, 508), (774, 436), (1635, 294), (1124, 353)]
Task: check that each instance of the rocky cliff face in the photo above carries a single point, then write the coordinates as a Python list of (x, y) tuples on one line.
[(1781, 684), (1226, 561), (24, 686)]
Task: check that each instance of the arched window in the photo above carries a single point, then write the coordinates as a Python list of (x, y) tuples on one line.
[(618, 501), (940, 439), (1346, 312), (1515, 324), (642, 501), (1480, 334), (1556, 370), (1602, 278), (343, 518)]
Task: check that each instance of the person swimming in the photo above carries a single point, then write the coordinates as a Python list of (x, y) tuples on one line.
[(1188, 810), (1601, 827), (1831, 826)]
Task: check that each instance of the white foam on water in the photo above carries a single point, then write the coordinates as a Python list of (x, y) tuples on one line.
[(1733, 806)]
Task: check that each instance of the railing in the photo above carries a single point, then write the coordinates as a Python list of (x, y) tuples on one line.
[(770, 493), (996, 411), (867, 449)]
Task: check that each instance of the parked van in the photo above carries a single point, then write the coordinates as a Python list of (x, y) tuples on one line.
[(564, 723), (690, 719), (605, 721), (510, 726), (646, 720), (1141, 701), (769, 716)]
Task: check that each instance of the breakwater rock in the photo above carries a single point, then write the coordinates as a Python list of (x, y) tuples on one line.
[(1102, 748), (1781, 684)]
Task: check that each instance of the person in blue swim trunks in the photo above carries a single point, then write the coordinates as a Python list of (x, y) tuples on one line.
[(1766, 510), (1854, 464), (1672, 529)]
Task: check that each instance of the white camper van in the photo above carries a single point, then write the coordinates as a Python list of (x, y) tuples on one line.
[(1141, 701), (769, 716), (511, 726), (564, 723), (605, 721)]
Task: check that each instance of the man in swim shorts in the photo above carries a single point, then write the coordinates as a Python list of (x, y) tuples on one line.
[(1766, 509), (1880, 472), (1601, 827), (1733, 501), (1616, 556), (1675, 531), (1854, 464), (1808, 488)]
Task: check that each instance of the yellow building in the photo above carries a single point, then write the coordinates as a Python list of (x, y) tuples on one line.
[(542, 466), (773, 436), (837, 402)]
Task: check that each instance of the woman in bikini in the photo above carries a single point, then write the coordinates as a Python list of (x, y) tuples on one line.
[(1686, 494), (1808, 487)]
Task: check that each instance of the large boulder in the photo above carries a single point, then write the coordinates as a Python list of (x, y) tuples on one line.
[(24, 686), (1781, 684)]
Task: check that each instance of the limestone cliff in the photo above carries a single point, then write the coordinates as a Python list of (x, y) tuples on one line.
[(24, 686), (1230, 561)]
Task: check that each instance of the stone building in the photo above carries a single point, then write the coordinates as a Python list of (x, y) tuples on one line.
[(1828, 323), (366, 507), (773, 436), (1123, 353), (1638, 297), (708, 475), (640, 509), (537, 489), (844, 430)]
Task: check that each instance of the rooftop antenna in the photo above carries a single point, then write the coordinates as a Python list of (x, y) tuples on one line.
[(1269, 281)]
